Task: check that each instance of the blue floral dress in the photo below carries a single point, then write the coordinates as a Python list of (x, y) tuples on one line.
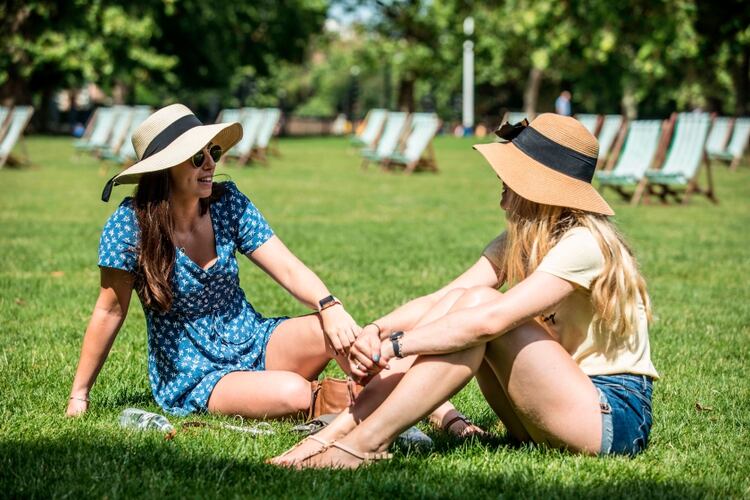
[(211, 328)]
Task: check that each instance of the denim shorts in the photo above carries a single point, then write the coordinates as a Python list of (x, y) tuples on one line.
[(625, 402)]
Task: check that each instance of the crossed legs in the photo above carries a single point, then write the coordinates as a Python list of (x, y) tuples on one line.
[(529, 380)]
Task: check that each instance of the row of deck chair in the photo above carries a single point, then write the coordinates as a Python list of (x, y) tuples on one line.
[(258, 127), (13, 121), (663, 158), (728, 140), (109, 132), (394, 138)]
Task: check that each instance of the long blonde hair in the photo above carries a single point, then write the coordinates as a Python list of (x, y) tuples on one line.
[(533, 229)]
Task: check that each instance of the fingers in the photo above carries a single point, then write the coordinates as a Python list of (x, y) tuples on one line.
[(377, 356), (335, 342)]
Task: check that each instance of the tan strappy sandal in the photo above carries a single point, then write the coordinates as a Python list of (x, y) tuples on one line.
[(324, 445), (468, 423), (366, 457)]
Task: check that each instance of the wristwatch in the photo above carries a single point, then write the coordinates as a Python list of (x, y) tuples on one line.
[(327, 302), (396, 343)]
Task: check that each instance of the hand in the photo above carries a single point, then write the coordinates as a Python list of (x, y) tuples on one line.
[(340, 328), (364, 356), (77, 406)]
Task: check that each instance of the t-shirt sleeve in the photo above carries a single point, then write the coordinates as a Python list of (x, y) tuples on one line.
[(494, 251), (119, 240), (576, 258), (252, 229)]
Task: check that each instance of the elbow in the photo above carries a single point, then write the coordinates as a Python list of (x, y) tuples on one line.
[(491, 325)]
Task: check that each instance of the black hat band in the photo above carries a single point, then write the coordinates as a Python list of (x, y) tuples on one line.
[(555, 156)]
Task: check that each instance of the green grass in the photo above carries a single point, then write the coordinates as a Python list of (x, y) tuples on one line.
[(376, 240)]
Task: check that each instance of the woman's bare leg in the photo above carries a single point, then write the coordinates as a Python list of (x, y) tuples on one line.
[(296, 354), (375, 392), (555, 401)]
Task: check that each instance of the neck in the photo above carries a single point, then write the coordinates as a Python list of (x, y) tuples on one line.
[(185, 212)]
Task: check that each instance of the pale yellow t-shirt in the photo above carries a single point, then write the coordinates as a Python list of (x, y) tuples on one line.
[(578, 259)]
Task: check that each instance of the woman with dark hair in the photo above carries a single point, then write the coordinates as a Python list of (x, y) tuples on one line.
[(175, 243)]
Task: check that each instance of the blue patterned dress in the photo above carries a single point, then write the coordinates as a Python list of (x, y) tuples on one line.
[(211, 328)]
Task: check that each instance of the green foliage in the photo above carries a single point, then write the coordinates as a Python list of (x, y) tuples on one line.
[(392, 237)]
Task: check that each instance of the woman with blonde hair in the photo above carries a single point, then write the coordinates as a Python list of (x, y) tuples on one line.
[(562, 357)]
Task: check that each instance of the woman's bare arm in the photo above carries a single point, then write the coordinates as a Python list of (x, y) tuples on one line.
[(109, 313)]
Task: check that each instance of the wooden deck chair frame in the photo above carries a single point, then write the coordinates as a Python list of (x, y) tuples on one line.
[(597, 124), (261, 153), (427, 160), (399, 140), (8, 158), (733, 160), (356, 141), (665, 131), (683, 194)]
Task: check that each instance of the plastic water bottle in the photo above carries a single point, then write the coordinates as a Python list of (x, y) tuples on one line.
[(135, 418)]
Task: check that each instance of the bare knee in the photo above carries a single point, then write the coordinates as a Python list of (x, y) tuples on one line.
[(295, 394), (477, 295)]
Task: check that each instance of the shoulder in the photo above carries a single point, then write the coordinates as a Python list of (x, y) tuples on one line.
[(124, 214), (577, 257)]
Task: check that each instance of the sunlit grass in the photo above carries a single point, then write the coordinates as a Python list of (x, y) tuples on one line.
[(377, 240)]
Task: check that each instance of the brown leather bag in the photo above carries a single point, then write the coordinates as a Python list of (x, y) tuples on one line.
[(332, 395)]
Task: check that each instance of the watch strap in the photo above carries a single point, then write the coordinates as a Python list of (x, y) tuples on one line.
[(396, 343)]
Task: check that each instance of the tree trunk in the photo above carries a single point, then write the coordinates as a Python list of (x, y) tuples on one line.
[(531, 93), (406, 95), (742, 84), (627, 103)]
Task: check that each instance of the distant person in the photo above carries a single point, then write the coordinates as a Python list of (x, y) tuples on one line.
[(562, 103), (562, 357)]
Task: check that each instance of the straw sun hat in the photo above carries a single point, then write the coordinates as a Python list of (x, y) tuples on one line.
[(169, 137), (549, 161)]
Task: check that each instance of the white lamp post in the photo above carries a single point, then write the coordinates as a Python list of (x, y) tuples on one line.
[(468, 79)]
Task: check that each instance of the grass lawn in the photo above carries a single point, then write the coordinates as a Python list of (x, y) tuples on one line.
[(376, 240)]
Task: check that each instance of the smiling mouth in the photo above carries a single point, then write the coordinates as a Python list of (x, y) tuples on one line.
[(206, 180)]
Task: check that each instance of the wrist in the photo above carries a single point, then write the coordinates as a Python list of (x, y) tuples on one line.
[(396, 338), (328, 302)]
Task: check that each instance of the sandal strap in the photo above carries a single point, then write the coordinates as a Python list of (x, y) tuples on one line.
[(458, 418), (366, 457)]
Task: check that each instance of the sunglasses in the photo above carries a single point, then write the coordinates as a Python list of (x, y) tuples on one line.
[(199, 158)]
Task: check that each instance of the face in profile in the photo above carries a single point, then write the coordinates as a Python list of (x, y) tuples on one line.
[(194, 177), (505, 196)]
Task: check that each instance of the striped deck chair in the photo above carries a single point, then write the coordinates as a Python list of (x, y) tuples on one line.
[(737, 144), (393, 130), (422, 129), (678, 176), (229, 115), (119, 131), (271, 118), (374, 122), (590, 121), (514, 117), (19, 118), (719, 136), (636, 157), (126, 153), (104, 119), (4, 122), (608, 135), (252, 119)]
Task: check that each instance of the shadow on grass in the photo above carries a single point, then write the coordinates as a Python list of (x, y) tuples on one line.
[(148, 466)]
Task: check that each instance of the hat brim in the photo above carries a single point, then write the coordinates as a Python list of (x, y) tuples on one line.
[(182, 148), (539, 183)]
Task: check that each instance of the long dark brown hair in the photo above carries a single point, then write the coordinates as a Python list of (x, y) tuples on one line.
[(156, 248)]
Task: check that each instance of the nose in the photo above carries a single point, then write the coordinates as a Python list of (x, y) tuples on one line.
[(209, 163)]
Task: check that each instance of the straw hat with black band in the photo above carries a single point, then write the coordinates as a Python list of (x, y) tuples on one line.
[(549, 161), (169, 137)]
